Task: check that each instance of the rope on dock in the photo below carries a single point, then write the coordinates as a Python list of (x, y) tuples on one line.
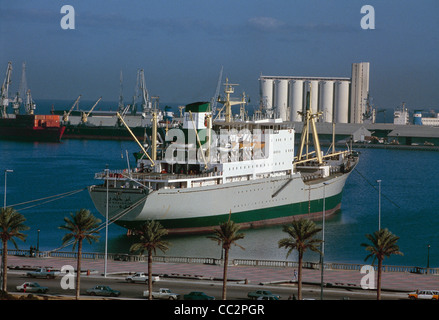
[(373, 186), (52, 198)]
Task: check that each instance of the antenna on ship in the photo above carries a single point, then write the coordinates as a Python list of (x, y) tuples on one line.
[(229, 89)]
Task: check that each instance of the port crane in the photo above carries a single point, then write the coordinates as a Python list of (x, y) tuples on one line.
[(84, 116), (5, 92), (30, 104), (215, 98), (66, 115)]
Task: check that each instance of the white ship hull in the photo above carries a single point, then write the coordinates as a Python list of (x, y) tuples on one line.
[(268, 201)]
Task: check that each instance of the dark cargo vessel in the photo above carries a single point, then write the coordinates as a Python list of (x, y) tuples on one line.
[(44, 128)]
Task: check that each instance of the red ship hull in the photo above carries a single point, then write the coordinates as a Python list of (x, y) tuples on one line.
[(44, 128)]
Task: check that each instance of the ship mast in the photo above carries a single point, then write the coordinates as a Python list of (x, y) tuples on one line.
[(309, 119), (121, 106), (229, 89)]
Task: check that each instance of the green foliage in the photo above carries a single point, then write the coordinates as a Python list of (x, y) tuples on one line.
[(227, 234), (301, 237), (382, 244), (12, 225), (150, 238), (81, 225)]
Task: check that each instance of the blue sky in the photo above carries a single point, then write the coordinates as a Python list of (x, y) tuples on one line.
[(182, 45)]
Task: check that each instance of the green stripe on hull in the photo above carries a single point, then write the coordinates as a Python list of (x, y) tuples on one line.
[(279, 214)]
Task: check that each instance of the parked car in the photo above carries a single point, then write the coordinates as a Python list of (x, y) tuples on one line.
[(424, 295), (101, 290), (197, 295), (140, 277), (32, 287), (163, 293), (42, 273), (262, 294)]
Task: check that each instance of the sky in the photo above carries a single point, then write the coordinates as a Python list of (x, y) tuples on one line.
[(182, 45)]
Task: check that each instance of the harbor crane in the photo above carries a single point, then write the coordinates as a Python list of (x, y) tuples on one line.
[(5, 92), (66, 115), (30, 104), (84, 116), (215, 98)]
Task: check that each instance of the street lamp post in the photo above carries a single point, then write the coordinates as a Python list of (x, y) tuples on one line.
[(6, 179), (379, 204), (323, 241), (38, 242), (428, 256), (4, 207), (106, 227)]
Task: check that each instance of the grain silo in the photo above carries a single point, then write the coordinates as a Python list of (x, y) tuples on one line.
[(281, 98), (267, 94), (296, 99), (313, 87), (341, 102), (326, 100)]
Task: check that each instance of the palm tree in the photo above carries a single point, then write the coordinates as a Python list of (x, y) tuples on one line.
[(382, 244), (301, 238), (227, 234), (81, 226), (11, 226), (151, 233)]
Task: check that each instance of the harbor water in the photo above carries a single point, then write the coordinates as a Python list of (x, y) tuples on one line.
[(409, 203)]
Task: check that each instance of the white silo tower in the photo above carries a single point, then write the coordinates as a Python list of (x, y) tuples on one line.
[(313, 86), (267, 94), (326, 100), (341, 104), (281, 98), (296, 99)]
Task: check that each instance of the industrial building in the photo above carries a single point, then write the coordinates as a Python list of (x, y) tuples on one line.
[(341, 100)]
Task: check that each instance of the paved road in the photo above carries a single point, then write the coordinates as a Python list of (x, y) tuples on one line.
[(392, 281)]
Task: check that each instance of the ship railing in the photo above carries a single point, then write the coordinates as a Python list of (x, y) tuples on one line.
[(120, 174)]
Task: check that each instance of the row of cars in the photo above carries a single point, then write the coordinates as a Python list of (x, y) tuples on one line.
[(139, 277), (162, 293), (99, 290)]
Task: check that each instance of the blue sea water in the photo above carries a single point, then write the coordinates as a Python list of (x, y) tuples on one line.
[(409, 202)]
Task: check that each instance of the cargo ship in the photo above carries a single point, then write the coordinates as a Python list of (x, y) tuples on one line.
[(29, 126), (43, 128), (215, 169)]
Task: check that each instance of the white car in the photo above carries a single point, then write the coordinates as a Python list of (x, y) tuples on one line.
[(140, 277), (424, 295), (32, 287)]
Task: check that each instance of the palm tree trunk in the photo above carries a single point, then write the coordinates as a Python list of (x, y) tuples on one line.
[(299, 278), (150, 274), (380, 267), (78, 269), (226, 263), (4, 265)]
